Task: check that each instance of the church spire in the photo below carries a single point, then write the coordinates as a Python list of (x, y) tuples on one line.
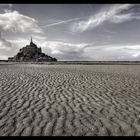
[(31, 43), (0, 35), (31, 40)]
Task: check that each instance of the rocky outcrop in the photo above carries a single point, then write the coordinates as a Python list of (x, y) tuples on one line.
[(31, 53)]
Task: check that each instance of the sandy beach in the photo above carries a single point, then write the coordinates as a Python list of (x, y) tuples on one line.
[(69, 100)]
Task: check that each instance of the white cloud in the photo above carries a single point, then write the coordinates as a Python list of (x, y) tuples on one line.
[(121, 18), (60, 50), (19, 42), (114, 52), (3, 57), (64, 51), (16, 22), (111, 14), (68, 51), (60, 22), (4, 44), (136, 54), (39, 37), (7, 48)]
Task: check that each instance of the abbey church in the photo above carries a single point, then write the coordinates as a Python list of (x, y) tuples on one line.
[(31, 53)]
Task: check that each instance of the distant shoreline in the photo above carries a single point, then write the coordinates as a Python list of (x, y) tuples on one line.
[(77, 62)]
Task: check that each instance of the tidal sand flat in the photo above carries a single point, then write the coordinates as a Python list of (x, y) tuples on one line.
[(69, 100)]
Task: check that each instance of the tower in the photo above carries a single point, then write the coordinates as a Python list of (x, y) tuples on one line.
[(0, 35), (31, 41), (32, 44)]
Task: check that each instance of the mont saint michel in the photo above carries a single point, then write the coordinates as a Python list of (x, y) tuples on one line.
[(90, 88), (31, 53)]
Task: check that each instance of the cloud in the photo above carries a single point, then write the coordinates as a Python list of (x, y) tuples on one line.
[(112, 14), (4, 44), (60, 50), (68, 51), (16, 22), (93, 51), (60, 22), (114, 52), (108, 31), (121, 18), (7, 48), (136, 54), (65, 51)]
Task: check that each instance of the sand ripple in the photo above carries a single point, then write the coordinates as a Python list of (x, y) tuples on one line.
[(38, 100)]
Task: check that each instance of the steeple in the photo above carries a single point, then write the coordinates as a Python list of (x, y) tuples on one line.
[(0, 35), (31, 43), (31, 40)]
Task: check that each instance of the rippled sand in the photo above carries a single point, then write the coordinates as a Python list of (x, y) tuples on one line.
[(69, 100)]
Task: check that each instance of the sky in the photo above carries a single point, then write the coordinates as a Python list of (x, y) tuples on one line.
[(72, 32)]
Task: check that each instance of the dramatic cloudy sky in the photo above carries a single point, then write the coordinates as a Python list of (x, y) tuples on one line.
[(72, 31)]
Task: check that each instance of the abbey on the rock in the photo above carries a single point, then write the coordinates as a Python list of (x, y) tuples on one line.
[(31, 53)]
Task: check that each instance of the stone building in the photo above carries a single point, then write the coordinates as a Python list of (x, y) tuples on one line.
[(31, 53)]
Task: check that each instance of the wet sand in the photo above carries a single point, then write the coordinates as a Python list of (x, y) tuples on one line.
[(69, 100)]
